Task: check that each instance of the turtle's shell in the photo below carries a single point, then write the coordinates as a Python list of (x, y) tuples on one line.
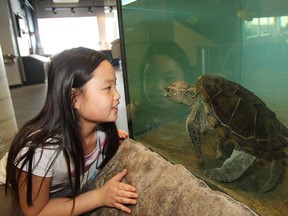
[(242, 117)]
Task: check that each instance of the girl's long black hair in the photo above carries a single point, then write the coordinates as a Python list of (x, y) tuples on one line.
[(58, 120)]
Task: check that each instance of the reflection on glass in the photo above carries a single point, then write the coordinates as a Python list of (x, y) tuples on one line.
[(163, 63), (243, 41)]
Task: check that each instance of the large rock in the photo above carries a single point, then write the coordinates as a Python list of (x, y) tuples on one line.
[(164, 188)]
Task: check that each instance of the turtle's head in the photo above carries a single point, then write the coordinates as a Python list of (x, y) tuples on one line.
[(181, 92)]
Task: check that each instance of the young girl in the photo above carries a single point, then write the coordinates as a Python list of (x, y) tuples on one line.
[(73, 136)]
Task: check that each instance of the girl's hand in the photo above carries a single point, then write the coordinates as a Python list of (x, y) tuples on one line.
[(122, 134), (117, 194)]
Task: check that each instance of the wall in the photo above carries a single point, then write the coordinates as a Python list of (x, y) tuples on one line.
[(9, 45), (8, 127)]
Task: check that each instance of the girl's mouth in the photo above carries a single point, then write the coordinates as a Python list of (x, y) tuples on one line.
[(115, 108)]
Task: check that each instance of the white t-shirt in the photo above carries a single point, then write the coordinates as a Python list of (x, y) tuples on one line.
[(58, 169)]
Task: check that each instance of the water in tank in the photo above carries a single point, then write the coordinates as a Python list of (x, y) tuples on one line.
[(207, 83)]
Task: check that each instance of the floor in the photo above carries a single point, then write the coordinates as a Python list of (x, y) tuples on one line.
[(28, 101)]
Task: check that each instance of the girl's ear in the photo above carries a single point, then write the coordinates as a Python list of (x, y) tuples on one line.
[(74, 98)]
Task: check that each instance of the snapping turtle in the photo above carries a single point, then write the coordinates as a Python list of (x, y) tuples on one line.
[(240, 118)]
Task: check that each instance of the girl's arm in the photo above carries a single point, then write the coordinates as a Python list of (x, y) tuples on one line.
[(113, 194)]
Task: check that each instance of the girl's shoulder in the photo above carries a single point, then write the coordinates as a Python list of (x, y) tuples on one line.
[(47, 157), (48, 148)]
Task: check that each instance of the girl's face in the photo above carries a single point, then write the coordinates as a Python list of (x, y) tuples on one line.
[(98, 100)]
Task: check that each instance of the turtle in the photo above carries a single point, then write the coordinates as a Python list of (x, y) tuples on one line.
[(240, 118)]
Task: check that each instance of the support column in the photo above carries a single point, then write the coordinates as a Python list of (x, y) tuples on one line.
[(8, 125)]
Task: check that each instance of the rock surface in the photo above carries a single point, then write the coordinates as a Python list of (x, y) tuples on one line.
[(164, 188)]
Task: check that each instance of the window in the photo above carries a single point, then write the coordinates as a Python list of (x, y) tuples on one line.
[(58, 34)]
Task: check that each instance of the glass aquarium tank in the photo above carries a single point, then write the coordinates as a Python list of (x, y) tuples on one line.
[(239, 48)]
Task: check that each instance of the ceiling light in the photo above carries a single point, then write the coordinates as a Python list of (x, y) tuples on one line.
[(54, 11), (108, 9), (125, 2), (90, 10), (65, 1)]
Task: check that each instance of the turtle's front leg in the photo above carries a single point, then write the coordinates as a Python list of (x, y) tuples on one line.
[(194, 136), (196, 124)]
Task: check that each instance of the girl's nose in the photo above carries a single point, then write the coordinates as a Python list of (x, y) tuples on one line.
[(117, 95)]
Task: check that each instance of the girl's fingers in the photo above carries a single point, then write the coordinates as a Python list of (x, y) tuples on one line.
[(120, 175), (123, 208), (127, 201), (122, 134), (126, 187), (127, 194), (122, 202), (122, 194)]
